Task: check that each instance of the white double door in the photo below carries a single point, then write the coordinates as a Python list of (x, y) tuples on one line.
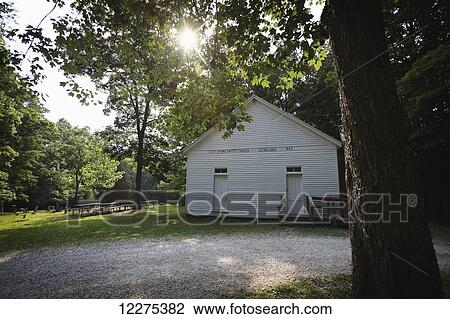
[(220, 188)]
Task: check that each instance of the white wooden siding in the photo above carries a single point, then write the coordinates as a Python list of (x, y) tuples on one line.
[(267, 128), (263, 171)]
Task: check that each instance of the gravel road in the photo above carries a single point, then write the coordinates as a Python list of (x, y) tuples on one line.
[(194, 267)]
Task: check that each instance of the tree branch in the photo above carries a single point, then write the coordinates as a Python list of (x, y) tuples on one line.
[(39, 24)]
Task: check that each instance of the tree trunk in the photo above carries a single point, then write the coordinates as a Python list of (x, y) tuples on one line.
[(139, 166), (391, 258), (77, 188)]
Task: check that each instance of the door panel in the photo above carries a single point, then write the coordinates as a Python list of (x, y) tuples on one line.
[(294, 187), (220, 187)]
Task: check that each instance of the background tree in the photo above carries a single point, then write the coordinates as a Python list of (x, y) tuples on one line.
[(84, 161), (122, 144), (174, 176), (413, 29), (125, 48), (425, 94), (9, 120), (100, 171), (23, 125), (53, 186)]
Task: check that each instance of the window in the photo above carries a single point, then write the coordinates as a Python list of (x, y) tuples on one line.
[(294, 169), (220, 171)]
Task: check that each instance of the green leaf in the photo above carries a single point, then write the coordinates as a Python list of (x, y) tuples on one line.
[(265, 83)]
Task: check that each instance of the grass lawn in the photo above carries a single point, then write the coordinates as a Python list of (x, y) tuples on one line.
[(333, 286), (46, 229)]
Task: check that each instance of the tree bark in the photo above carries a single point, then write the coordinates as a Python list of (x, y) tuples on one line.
[(77, 188), (139, 167), (141, 127), (391, 259)]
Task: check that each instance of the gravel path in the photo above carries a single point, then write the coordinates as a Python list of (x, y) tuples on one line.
[(196, 267)]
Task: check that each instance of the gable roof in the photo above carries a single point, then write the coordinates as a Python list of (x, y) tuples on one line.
[(304, 125)]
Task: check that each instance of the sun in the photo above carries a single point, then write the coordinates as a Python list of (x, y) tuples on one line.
[(187, 39)]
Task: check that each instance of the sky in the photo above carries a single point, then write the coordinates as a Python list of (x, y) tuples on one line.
[(58, 102)]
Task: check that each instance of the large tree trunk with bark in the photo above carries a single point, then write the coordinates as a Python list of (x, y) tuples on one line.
[(392, 253)]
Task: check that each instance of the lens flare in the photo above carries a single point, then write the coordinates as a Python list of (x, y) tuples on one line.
[(187, 39)]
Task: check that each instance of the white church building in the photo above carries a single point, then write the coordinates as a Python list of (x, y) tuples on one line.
[(263, 170)]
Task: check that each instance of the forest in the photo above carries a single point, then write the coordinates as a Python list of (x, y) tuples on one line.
[(374, 75)]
